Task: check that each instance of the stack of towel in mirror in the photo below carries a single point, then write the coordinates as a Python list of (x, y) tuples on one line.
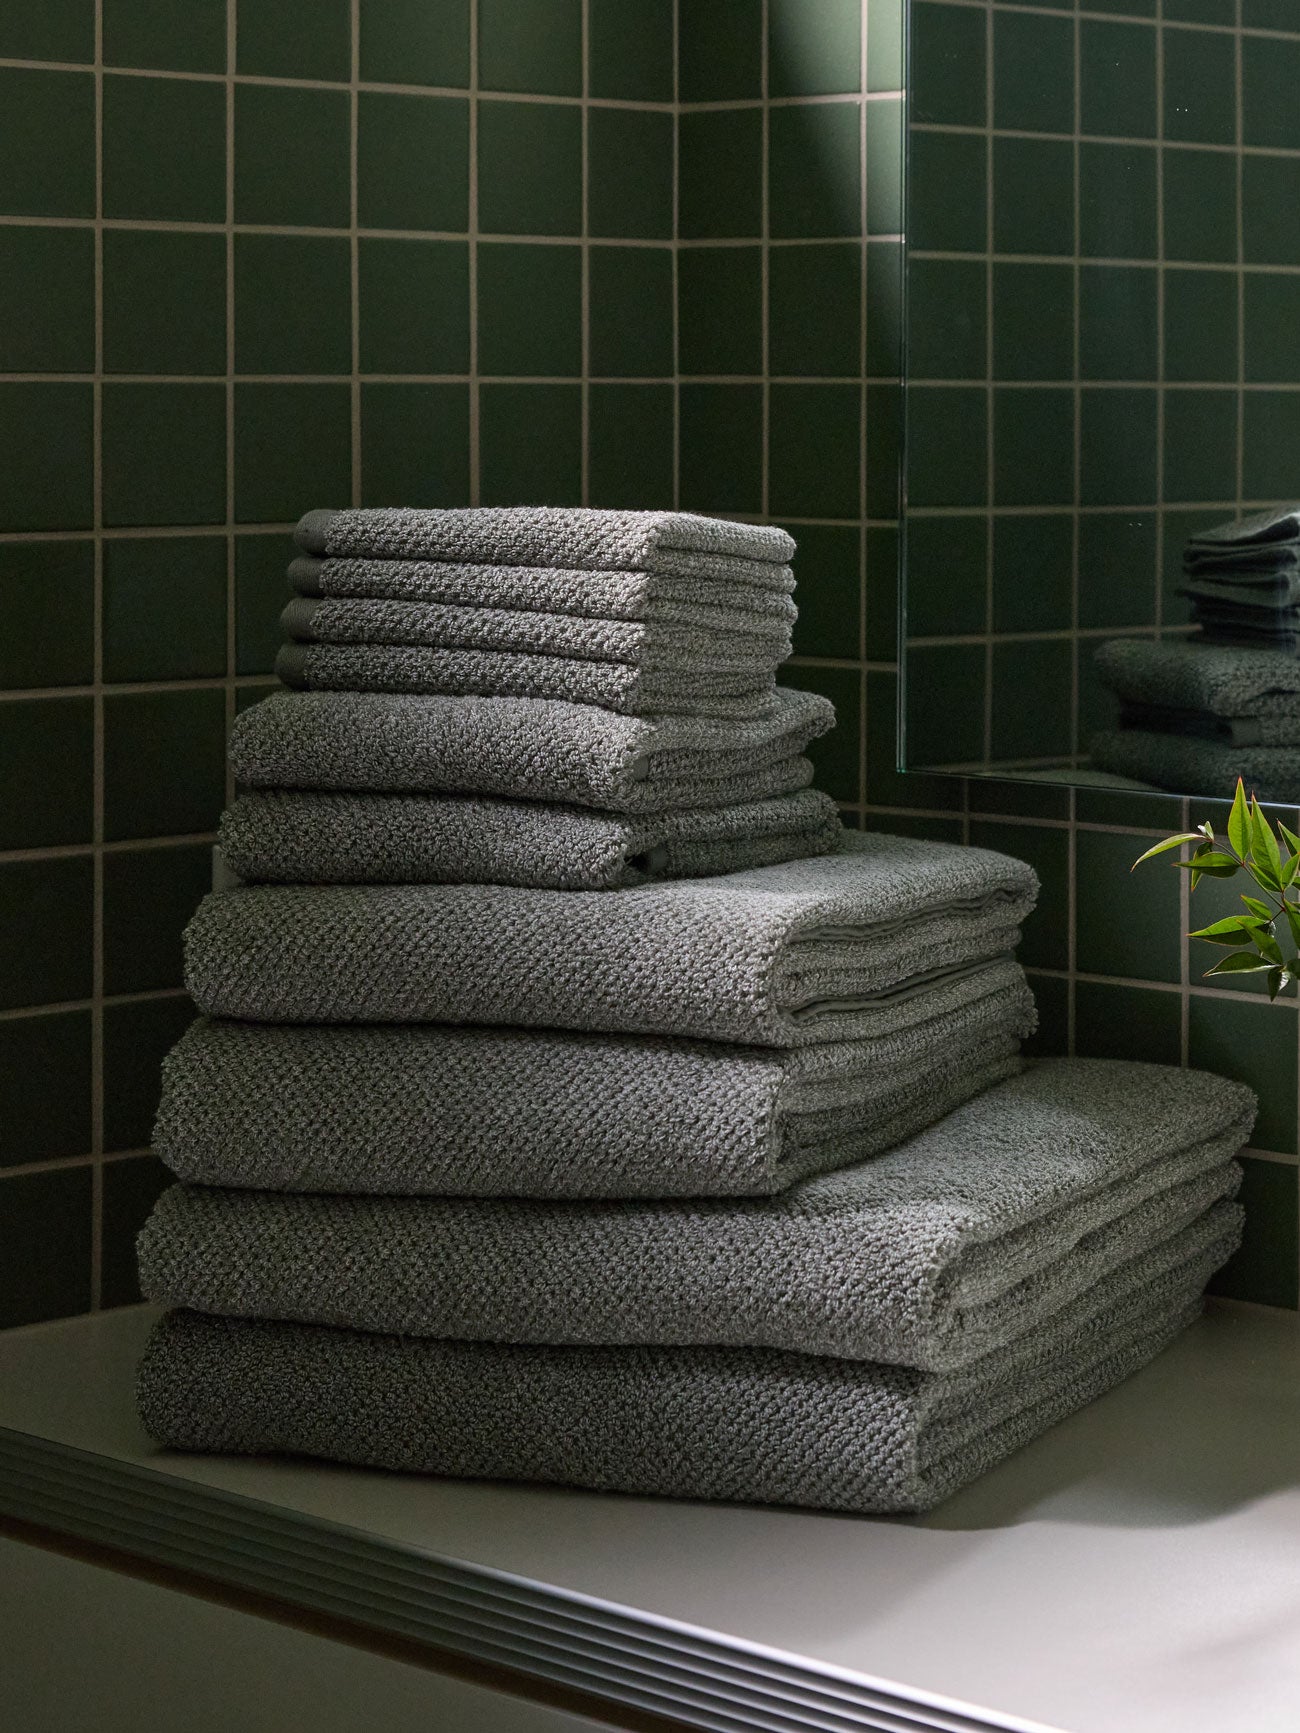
[(728, 1186)]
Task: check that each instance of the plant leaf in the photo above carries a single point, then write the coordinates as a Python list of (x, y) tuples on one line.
[(1229, 932), (1218, 866), (1277, 979), (1262, 910), (1263, 844), (1293, 921), (1166, 845), (1239, 821), (1240, 963), (1268, 947), (1206, 830), (1292, 840)]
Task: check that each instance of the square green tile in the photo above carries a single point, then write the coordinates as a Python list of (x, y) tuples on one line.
[(631, 311), (1200, 79), (1033, 196), (65, 31), (47, 300), (631, 50), (45, 1239), (884, 578), (886, 784), (883, 123), (947, 319), (46, 456), (1033, 572), (884, 334), (946, 86), (630, 173), (412, 162), (149, 897), (835, 756), (1200, 444), (47, 601), (413, 305), (1200, 206), (170, 38), (814, 47), (721, 463), (45, 806), (1255, 1043), (1117, 447), (1265, 1268), (137, 1038), (529, 168), (1051, 1039), (1118, 204), (412, 42), (1033, 321), (1041, 729), (1112, 1022), (272, 42), (1201, 325), (1272, 326), (292, 156), (47, 143), (1119, 328), (721, 51), (536, 49), (164, 608), (814, 450), (131, 1188), (884, 451), (814, 170), (631, 447), (944, 705), (1117, 569), (529, 309), (164, 762), (1033, 446), (720, 309), (1021, 800), (164, 301), (1204, 12), (828, 566), (1117, 79), (947, 445), (885, 71), (164, 149), (947, 193), (293, 304), (261, 592), (45, 1087), (530, 439), (414, 444), (1045, 944), (1269, 194), (46, 930), (1267, 15), (293, 445), (947, 574), (1272, 430), (815, 309), (1033, 72), (1147, 944), (164, 454), (720, 174)]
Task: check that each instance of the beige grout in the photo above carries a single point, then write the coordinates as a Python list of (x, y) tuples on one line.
[(97, 915)]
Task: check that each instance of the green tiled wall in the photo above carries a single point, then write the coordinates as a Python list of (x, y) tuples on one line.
[(534, 250)]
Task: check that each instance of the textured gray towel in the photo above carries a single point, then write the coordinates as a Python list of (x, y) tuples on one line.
[(426, 1108), (619, 686), (1201, 725), (780, 956), (572, 538), (331, 839), (955, 1242), (525, 749), (1186, 765), (1268, 540), (642, 644), (1184, 674), (748, 1424)]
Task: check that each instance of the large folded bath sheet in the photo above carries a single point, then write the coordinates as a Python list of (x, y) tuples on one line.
[(329, 839), (949, 1245), (717, 1423), (1184, 674), (426, 1108), (783, 956), (525, 748), (1181, 762)]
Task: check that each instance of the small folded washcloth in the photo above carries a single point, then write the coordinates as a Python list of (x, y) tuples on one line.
[(429, 1109), (1184, 764), (779, 956), (337, 839), (1267, 542), (751, 1424), (526, 749), (1182, 674), (1202, 725), (930, 1255), (1261, 590), (574, 538)]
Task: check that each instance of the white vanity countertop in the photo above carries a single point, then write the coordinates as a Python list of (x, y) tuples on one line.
[(1137, 1570)]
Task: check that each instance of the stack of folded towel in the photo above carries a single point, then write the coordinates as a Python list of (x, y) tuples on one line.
[(1243, 580)]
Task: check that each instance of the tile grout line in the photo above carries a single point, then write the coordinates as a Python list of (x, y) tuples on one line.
[(97, 1102), (765, 258), (232, 359), (864, 42), (1076, 521), (472, 245), (675, 258), (354, 244), (990, 398), (584, 256)]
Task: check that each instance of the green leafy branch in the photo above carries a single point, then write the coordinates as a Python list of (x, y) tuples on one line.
[(1274, 864)]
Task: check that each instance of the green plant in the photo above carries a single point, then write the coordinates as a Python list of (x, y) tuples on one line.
[(1274, 864)]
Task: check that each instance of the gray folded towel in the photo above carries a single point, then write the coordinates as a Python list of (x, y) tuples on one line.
[(1186, 765), (1268, 541), (525, 748), (938, 1251), (748, 1424), (1183, 674), (1203, 725), (426, 1108), (573, 538), (331, 839), (620, 686), (781, 956)]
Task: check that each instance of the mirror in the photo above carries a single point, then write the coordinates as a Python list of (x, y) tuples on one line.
[(1102, 371)]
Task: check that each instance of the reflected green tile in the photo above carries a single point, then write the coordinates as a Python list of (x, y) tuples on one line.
[(836, 755), (1204, 11), (1045, 944), (947, 193), (292, 156), (45, 1087), (631, 311), (414, 444), (1201, 325), (164, 762), (1200, 444), (1113, 1022), (948, 49), (1033, 321), (1270, 192), (164, 301), (884, 582), (411, 42), (1118, 579), (261, 591), (529, 169), (1269, 69), (815, 170), (883, 122), (1119, 326), (47, 300), (159, 34), (885, 69), (720, 309), (887, 785), (1117, 79), (293, 304), (884, 310), (1179, 526), (42, 809), (884, 451), (1033, 196), (1255, 1043), (1264, 1270), (164, 454), (164, 608), (137, 1037), (720, 174), (1146, 944), (1033, 446), (814, 47), (413, 305), (814, 450), (828, 566), (948, 319), (45, 1239), (46, 456), (46, 930), (529, 309), (518, 468), (1118, 446), (1272, 437), (947, 575), (1033, 72), (631, 50), (1118, 203), (47, 143), (272, 43), (413, 161), (131, 1188), (721, 51), (630, 173), (944, 704), (293, 444), (149, 896), (1272, 327), (1042, 729), (49, 32), (1200, 78), (47, 601), (1033, 572), (947, 440), (1200, 206), (1267, 15), (537, 48), (164, 149), (631, 447), (721, 452)]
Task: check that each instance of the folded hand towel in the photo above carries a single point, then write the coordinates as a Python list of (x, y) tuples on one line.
[(955, 1242), (1185, 765), (332, 839), (1243, 588), (1189, 675), (617, 686), (430, 1109), (572, 538), (750, 1424), (1268, 540), (526, 748), (780, 956), (1202, 725)]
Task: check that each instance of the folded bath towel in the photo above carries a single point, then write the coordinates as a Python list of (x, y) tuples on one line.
[(748, 1424), (950, 1245), (331, 839), (1185, 765), (1203, 725), (1269, 541), (1184, 674), (620, 686), (526, 749), (427, 1108), (780, 956), (574, 538)]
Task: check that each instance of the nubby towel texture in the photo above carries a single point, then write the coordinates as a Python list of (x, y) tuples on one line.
[(1182, 674), (1183, 763)]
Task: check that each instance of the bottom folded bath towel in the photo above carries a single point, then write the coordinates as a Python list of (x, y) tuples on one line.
[(746, 1424), (1186, 765)]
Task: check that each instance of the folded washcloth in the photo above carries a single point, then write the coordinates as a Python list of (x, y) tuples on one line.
[(779, 956), (1202, 725), (332, 839), (746, 1424), (942, 1249), (572, 538), (620, 686), (1184, 764), (1183, 674), (1245, 589), (1269, 541), (426, 1108), (526, 749), (642, 644)]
